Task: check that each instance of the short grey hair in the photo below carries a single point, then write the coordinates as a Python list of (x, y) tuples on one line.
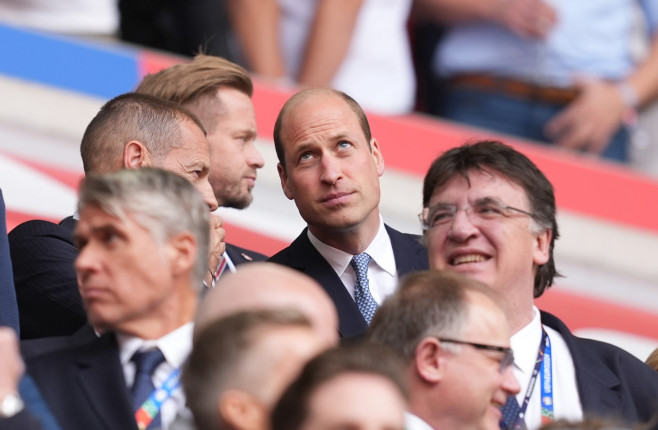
[(160, 201), (428, 303)]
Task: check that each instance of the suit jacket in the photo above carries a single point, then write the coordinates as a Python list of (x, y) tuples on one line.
[(410, 255), (611, 382), (42, 255), (84, 385), (8, 306)]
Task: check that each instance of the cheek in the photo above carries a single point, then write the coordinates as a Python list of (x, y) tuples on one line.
[(434, 244)]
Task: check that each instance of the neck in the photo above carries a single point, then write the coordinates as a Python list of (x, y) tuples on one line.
[(173, 314), (353, 240)]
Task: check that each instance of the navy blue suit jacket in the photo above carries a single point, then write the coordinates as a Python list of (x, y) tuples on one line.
[(8, 306), (42, 255), (611, 382), (410, 256), (84, 385)]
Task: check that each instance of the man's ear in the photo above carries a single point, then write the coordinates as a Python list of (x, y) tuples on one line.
[(377, 156), (541, 252), (135, 155), (284, 182), (182, 252), (428, 360), (240, 411)]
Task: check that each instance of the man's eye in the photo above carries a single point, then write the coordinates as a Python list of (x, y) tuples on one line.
[(489, 210), (305, 156), (344, 144), (439, 217)]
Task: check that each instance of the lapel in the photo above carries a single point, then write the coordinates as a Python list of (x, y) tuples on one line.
[(410, 254), (597, 384), (305, 258), (100, 376)]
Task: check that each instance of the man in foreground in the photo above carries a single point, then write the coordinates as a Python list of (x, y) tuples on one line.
[(143, 240), (454, 338)]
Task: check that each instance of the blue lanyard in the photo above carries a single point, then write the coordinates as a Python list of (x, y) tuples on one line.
[(151, 407), (547, 414), (543, 367)]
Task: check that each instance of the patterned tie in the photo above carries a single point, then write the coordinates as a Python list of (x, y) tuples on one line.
[(510, 412), (364, 301), (145, 364)]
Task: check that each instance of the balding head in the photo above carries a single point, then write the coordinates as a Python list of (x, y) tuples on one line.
[(260, 286)]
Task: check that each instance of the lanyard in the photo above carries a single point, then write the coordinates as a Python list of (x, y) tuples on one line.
[(543, 367), (151, 407)]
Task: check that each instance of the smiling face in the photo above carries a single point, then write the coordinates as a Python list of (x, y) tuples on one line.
[(332, 172), (125, 276), (475, 388), (503, 252), (229, 118), (191, 161)]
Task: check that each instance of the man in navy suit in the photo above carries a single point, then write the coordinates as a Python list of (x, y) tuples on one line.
[(489, 213), (330, 165), (8, 307), (219, 93), (143, 240), (130, 131)]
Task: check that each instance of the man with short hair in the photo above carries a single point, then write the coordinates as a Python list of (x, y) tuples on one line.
[(330, 165), (489, 213), (130, 131), (241, 363), (143, 240), (357, 386), (219, 93), (454, 338)]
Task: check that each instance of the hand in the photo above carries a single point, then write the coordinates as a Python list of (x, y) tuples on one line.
[(11, 364), (527, 18), (589, 121), (217, 241)]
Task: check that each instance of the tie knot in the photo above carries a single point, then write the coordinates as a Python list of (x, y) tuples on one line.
[(360, 263), (147, 361)]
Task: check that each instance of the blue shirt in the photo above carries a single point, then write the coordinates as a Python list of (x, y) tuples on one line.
[(591, 37)]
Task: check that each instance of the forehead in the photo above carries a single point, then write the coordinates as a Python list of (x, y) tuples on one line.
[(479, 184), (319, 115), (193, 137)]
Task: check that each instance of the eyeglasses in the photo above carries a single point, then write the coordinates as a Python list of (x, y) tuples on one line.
[(485, 210), (508, 354)]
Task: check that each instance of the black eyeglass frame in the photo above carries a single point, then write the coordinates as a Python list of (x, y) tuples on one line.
[(508, 354)]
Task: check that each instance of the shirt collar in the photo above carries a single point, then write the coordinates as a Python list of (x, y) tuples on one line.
[(175, 345), (380, 251), (414, 422), (525, 344)]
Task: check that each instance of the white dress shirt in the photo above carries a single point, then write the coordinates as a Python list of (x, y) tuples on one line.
[(175, 347), (382, 272), (566, 401), (413, 422)]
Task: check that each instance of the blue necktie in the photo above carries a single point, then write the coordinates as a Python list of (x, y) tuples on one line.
[(145, 364), (510, 412), (364, 301)]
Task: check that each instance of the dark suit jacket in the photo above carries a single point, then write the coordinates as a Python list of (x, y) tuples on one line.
[(410, 255), (8, 306), (84, 386), (42, 255), (611, 382)]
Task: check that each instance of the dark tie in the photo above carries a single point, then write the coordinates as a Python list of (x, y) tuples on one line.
[(510, 412), (364, 301), (145, 364)]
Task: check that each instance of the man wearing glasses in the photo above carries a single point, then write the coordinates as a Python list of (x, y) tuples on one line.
[(489, 213), (454, 338)]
